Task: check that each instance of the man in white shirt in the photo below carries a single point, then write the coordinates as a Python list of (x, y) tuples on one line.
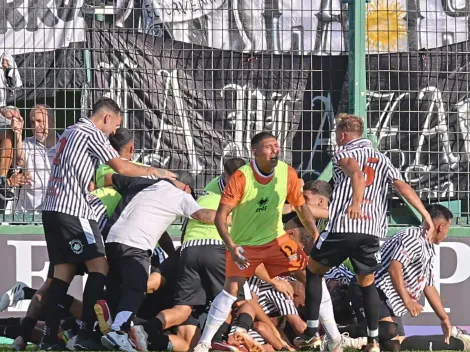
[(144, 213), (40, 150)]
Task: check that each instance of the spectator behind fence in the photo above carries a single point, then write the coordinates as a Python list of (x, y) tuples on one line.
[(39, 151), (11, 152)]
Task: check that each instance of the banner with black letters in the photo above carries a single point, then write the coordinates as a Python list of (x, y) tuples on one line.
[(192, 106)]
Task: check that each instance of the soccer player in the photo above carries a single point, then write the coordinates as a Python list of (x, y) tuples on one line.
[(357, 219), (255, 196), (217, 184), (144, 213), (201, 268), (123, 142), (317, 196), (407, 272), (71, 231)]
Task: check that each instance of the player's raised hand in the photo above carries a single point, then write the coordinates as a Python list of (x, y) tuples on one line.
[(354, 212), (162, 173), (414, 308), (428, 226), (237, 256)]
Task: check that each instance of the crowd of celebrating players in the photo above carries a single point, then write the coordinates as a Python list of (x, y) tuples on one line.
[(266, 262)]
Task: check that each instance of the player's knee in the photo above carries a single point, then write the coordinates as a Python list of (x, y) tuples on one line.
[(263, 329), (64, 272), (387, 331), (183, 311), (154, 282), (316, 268), (98, 265), (365, 280), (297, 324)]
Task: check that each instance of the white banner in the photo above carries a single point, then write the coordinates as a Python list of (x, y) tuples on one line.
[(185, 10), (42, 25)]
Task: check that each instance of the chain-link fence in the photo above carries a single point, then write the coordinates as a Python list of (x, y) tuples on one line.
[(197, 78)]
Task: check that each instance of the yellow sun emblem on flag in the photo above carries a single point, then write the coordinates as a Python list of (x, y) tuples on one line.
[(386, 27)]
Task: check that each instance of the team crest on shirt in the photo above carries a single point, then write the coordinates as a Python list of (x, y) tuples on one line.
[(262, 204), (290, 254), (378, 257), (76, 246)]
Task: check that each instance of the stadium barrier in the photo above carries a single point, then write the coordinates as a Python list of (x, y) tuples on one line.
[(24, 258)]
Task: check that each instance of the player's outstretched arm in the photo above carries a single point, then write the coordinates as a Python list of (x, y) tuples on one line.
[(405, 190), (351, 168), (206, 216), (396, 275), (307, 219), (317, 211), (435, 301), (126, 168)]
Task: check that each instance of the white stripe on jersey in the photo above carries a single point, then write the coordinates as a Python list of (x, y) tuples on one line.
[(379, 173), (274, 303), (80, 148), (100, 211), (202, 242), (410, 247)]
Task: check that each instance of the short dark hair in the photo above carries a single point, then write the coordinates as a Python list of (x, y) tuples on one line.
[(439, 211), (106, 104), (319, 187), (120, 138), (257, 138), (233, 164), (295, 223), (188, 179)]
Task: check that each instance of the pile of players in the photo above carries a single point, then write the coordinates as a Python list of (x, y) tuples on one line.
[(240, 281)]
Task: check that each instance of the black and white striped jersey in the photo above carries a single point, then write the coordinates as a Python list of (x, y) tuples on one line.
[(340, 273), (379, 174), (253, 333), (274, 303), (100, 211), (81, 147), (410, 247)]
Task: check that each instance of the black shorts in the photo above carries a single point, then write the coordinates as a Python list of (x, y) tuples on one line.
[(80, 270), (201, 275), (70, 239), (129, 269), (334, 248)]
